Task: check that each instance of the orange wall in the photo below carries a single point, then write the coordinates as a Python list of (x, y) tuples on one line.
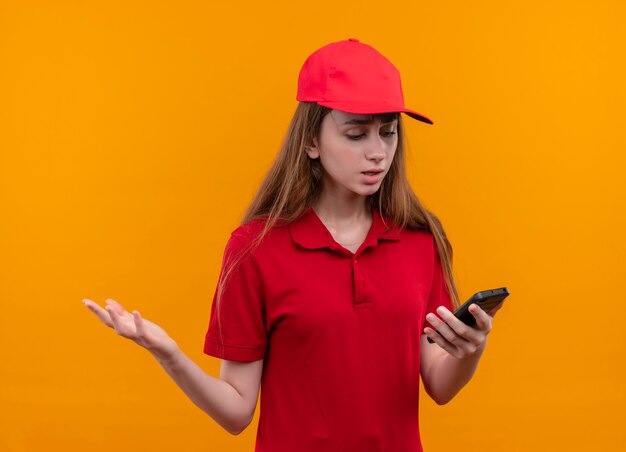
[(133, 134)]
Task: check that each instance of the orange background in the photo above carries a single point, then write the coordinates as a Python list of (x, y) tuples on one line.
[(134, 134)]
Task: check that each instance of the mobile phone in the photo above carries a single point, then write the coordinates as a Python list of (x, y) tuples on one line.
[(486, 299)]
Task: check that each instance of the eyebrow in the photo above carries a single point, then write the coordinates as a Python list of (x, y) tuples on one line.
[(385, 119)]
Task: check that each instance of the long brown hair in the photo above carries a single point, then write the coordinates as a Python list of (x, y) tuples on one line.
[(293, 184)]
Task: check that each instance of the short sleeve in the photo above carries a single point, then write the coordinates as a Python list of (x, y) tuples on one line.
[(439, 294), (240, 333)]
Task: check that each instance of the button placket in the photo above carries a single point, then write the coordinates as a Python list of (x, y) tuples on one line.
[(360, 295)]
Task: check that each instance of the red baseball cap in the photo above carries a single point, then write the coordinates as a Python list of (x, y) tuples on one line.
[(353, 77)]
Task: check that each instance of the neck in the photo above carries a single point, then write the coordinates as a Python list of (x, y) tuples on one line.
[(342, 211)]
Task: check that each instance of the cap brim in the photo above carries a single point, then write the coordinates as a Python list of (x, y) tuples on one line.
[(372, 109), (415, 115)]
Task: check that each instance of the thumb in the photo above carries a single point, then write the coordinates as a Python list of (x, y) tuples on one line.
[(139, 325)]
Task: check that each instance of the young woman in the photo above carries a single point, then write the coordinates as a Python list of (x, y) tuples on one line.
[(327, 285)]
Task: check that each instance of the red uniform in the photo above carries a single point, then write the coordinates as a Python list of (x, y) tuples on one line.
[(339, 333)]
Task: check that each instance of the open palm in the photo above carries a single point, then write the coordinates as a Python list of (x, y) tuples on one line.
[(132, 326)]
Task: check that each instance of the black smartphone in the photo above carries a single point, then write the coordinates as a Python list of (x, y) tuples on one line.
[(486, 299)]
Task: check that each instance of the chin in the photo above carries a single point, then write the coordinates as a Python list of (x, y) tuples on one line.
[(368, 190)]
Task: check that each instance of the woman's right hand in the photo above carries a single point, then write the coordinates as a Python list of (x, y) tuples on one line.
[(134, 327)]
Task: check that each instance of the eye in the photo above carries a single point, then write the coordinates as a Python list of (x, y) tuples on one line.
[(385, 134)]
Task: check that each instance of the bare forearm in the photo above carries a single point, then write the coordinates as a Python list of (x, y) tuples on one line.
[(449, 362), (448, 375), (214, 396)]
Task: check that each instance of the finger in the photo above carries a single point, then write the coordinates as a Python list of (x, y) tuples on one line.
[(427, 331), (483, 320), (102, 314), (438, 339), (115, 318), (442, 328), (466, 332), (119, 309)]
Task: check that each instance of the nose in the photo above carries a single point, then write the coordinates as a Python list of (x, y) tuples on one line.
[(376, 148)]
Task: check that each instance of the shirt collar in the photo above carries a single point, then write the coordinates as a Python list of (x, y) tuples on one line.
[(309, 232)]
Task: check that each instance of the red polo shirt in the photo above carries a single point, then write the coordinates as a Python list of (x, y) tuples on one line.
[(339, 333)]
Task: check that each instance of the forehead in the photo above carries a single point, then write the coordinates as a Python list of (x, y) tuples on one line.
[(345, 118)]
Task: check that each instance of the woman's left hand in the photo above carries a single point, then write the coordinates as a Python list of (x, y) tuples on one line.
[(457, 338)]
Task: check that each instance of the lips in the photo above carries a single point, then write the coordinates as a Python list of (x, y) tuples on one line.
[(372, 177), (373, 172)]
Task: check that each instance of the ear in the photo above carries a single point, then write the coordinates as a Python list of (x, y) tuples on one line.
[(313, 151)]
